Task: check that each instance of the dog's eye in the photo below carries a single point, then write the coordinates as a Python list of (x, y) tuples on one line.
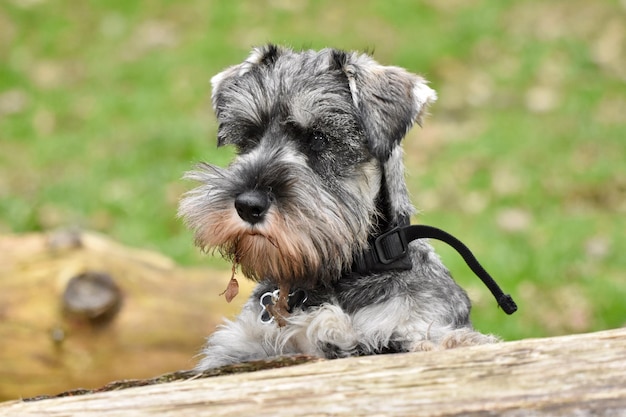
[(253, 133), (245, 146), (317, 141), (248, 137)]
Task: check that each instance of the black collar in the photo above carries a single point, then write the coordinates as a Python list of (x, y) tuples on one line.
[(389, 251)]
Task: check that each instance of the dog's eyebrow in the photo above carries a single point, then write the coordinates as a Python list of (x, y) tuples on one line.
[(306, 109), (301, 114), (238, 129), (244, 110)]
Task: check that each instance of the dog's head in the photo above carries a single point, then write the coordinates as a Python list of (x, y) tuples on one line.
[(318, 168)]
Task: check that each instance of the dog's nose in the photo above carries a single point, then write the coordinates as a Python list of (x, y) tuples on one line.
[(252, 205)]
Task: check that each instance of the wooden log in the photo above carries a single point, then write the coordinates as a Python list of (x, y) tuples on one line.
[(581, 375), (79, 310)]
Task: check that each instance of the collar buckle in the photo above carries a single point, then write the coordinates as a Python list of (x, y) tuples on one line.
[(391, 246)]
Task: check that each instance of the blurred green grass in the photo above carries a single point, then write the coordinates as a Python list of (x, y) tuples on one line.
[(104, 105)]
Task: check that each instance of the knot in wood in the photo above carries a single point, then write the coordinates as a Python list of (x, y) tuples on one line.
[(93, 296)]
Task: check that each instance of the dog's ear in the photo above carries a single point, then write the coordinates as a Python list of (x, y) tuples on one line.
[(390, 100), (261, 56), (227, 80)]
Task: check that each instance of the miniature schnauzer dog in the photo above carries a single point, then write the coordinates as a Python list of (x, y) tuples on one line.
[(317, 180)]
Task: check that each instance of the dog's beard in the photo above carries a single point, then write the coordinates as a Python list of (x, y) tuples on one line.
[(307, 237), (289, 249)]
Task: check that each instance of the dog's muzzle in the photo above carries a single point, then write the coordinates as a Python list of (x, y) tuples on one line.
[(252, 205)]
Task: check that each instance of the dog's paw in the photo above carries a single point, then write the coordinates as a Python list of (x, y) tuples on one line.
[(330, 329), (423, 346), (466, 337)]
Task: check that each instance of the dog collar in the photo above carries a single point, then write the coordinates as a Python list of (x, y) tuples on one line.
[(389, 251)]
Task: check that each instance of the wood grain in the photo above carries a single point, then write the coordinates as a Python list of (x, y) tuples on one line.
[(581, 375)]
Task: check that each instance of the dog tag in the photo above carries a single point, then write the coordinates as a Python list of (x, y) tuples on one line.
[(269, 298)]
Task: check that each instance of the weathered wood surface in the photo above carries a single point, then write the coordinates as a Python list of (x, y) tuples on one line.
[(152, 318), (578, 375)]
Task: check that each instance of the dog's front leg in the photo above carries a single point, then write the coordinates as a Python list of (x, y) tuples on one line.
[(245, 339), (325, 331)]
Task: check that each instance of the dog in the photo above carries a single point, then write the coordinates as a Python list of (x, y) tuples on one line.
[(317, 180)]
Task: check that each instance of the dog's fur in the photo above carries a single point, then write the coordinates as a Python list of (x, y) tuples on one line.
[(319, 172)]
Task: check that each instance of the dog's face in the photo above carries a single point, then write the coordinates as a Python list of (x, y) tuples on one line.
[(318, 163)]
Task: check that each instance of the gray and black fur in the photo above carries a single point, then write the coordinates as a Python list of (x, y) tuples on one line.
[(318, 174)]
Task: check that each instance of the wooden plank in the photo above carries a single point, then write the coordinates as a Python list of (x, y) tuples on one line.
[(582, 375)]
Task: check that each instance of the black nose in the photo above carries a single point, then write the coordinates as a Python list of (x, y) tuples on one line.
[(252, 205)]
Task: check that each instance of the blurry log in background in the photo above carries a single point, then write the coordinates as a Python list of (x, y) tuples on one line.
[(78, 310)]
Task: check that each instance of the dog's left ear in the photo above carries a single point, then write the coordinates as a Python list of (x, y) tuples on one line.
[(390, 100), (260, 56), (227, 83)]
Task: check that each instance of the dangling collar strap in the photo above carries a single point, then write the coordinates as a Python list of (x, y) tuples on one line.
[(389, 251)]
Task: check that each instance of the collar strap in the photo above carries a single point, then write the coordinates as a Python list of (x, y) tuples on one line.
[(389, 251)]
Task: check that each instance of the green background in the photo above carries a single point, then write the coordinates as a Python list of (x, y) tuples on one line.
[(104, 105)]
